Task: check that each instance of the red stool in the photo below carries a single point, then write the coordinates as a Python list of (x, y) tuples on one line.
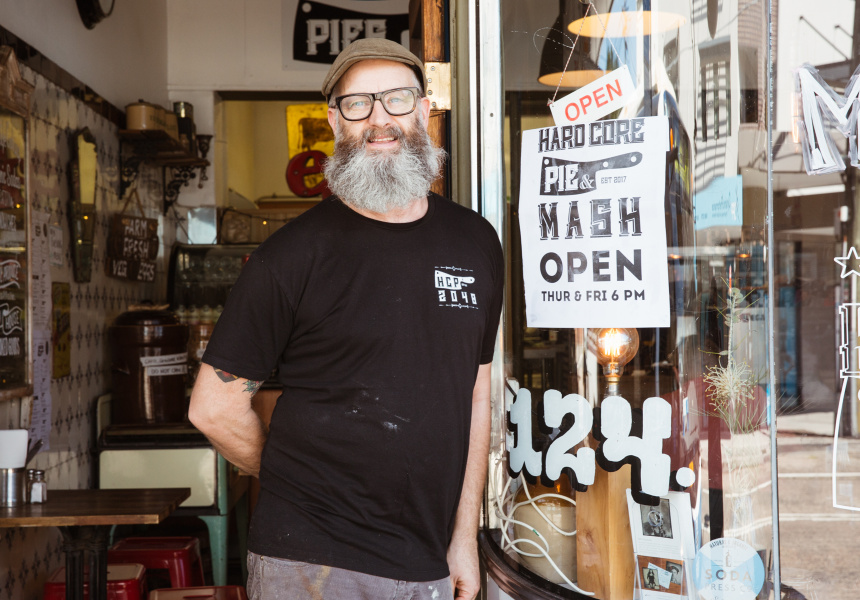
[(221, 592), (124, 582), (179, 555)]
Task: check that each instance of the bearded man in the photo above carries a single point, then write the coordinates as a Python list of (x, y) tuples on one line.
[(379, 308)]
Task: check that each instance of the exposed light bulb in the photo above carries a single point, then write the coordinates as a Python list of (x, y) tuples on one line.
[(616, 346)]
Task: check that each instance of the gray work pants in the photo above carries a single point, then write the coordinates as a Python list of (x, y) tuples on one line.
[(281, 579)]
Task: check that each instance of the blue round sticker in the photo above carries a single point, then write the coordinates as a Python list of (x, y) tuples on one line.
[(728, 569)]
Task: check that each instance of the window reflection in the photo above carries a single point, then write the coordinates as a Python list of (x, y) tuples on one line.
[(814, 220)]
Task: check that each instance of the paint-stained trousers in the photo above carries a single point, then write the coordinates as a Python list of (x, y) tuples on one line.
[(280, 579)]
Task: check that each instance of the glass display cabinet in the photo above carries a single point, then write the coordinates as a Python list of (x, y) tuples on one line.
[(200, 278)]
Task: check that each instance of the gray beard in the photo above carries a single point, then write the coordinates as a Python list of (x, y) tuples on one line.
[(383, 181)]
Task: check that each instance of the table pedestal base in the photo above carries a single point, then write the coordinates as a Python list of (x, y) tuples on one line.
[(86, 545)]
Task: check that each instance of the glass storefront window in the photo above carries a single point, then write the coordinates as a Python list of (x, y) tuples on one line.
[(758, 360), (699, 382), (816, 228)]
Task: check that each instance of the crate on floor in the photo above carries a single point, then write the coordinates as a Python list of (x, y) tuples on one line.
[(124, 582), (180, 555)]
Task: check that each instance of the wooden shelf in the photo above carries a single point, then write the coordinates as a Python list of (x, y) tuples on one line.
[(157, 147)]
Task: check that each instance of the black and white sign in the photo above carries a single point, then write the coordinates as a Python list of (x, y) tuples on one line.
[(592, 224), (166, 370), (165, 365), (164, 359), (314, 33)]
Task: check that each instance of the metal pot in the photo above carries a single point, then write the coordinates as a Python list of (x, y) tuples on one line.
[(149, 368)]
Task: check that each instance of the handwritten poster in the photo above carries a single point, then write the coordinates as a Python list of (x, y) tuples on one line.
[(40, 417), (40, 420), (592, 224), (41, 272)]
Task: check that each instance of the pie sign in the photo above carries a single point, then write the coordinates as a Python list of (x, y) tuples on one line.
[(611, 424)]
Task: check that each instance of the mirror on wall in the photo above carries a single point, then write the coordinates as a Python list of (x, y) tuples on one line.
[(83, 175), (16, 366)]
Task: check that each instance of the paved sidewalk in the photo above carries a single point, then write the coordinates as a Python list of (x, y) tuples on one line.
[(819, 543)]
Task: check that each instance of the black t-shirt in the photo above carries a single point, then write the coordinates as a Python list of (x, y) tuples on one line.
[(377, 331)]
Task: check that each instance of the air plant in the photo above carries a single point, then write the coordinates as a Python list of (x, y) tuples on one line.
[(732, 387)]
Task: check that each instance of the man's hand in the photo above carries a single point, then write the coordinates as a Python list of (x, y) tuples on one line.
[(465, 572)]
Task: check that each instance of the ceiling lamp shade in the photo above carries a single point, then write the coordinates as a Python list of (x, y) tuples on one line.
[(628, 18), (560, 68)]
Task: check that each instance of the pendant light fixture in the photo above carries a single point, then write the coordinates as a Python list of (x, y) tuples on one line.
[(624, 18), (616, 346), (563, 63)]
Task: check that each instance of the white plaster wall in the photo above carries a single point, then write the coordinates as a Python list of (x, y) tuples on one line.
[(124, 58), (237, 44), (225, 44)]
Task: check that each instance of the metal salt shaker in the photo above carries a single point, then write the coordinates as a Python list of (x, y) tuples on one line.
[(31, 475), (38, 488)]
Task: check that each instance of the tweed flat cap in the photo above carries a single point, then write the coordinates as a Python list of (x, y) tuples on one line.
[(368, 49)]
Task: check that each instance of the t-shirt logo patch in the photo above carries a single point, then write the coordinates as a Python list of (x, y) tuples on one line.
[(450, 286)]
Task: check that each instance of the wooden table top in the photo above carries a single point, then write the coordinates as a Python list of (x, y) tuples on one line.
[(96, 507)]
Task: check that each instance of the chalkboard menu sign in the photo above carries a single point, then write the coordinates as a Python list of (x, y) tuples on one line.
[(132, 247), (14, 371)]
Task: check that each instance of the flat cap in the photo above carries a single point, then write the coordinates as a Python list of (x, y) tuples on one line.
[(369, 49)]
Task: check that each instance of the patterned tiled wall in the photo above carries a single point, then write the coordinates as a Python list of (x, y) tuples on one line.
[(29, 555)]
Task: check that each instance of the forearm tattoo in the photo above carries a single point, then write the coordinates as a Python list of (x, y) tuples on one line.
[(250, 386)]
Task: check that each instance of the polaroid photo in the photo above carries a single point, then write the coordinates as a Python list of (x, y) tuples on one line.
[(665, 530), (677, 571), (656, 520), (649, 579)]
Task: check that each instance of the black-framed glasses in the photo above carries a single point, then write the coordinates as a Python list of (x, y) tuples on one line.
[(396, 102)]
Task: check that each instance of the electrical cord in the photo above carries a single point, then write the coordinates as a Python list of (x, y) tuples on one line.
[(506, 508)]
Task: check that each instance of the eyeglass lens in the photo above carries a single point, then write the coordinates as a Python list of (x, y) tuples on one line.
[(395, 102)]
